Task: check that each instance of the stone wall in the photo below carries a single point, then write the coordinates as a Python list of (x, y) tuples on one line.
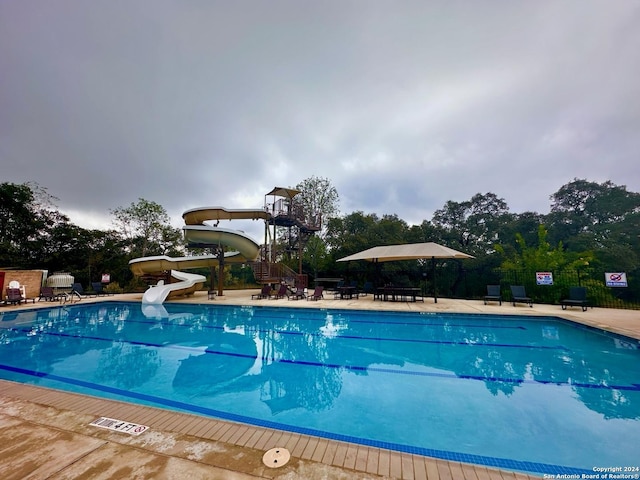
[(31, 279)]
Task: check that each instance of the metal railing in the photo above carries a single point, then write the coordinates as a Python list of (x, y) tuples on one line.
[(266, 272)]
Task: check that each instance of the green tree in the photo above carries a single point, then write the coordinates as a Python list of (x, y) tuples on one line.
[(357, 231), (603, 218), (590, 212), (474, 225), (145, 227), (522, 264), (316, 257), (319, 200), (29, 220)]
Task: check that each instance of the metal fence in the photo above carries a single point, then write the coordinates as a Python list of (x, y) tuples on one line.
[(454, 280)]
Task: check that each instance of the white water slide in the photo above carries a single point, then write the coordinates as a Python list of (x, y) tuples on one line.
[(195, 232)]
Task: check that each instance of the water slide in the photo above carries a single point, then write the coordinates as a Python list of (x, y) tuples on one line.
[(184, 284), (197, 233)]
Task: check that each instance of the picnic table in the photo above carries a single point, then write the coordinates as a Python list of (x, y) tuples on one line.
[(347, 292), (398, 294)]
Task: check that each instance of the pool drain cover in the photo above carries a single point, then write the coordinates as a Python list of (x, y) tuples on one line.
[(276, 457)]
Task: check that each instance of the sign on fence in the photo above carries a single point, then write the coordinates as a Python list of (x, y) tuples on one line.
[(544, 278), (615, 279)]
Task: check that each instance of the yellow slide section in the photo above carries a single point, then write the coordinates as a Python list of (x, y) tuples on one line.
[(246, 249), (197, 216)]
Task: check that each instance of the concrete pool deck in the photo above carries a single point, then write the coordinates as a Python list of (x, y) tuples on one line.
[(45, 433)]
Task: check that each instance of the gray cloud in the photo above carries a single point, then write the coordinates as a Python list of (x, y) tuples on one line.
[(403, 106)]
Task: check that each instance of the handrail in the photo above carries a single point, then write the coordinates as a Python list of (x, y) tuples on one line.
[(68, 297)]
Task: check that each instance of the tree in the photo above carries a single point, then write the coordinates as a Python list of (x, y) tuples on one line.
[(583, 207), (18, 222), (602, 217), (525, 225), (146, 227), (522, 264), (357, 231), (28, 219), (474, 225), (316, 257), (318, 198)]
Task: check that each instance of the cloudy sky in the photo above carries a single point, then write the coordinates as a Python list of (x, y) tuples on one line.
[(402, 105)]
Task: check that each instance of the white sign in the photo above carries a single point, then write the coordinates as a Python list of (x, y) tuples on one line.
[(615, 279), (544, 278), (106, 278), (119, 425)]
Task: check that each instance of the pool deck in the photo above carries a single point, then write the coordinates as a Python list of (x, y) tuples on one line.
[(45, 433)]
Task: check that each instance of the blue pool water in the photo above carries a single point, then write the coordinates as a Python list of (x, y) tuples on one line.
[(534, 394)]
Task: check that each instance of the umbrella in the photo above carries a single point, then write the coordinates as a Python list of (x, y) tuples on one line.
[(408, 251)]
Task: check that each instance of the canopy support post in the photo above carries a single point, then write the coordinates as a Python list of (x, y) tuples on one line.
[(435, 284), (220, 271)]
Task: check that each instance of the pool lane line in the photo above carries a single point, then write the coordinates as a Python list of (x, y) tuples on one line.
[(316, 334), (362, 322), (536, 467), (316, 318), (347, 367)]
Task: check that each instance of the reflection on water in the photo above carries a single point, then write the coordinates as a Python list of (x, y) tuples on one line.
[(303, 362), (241, 348), (126, 366)]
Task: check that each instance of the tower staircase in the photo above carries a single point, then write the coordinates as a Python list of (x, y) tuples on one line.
[(274, 273)]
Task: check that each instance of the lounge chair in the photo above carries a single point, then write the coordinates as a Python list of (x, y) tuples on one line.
[(76, 289), (281, 292), (577, 298), (98, 289), (493, 294), (264, 293), (47, 293), (367, 288), (519, 295), (317, 294), (14, 296), (297, 295)]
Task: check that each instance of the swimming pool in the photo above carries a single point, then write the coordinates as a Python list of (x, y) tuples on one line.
[(535, 394)]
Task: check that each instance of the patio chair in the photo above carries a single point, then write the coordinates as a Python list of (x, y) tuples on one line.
[(367, 288), (47, 293), (519, 295), (14, 296), (98, 289), (577, 298), (317, 294), (281, 293), (16, 285), (297, 295), (493, 294), (264, 293), (76, 289)]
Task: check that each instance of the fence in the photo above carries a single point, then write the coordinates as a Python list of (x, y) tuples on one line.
[(455, 281)]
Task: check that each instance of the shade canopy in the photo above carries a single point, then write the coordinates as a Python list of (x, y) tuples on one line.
[(284, 192), (407, 251)]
